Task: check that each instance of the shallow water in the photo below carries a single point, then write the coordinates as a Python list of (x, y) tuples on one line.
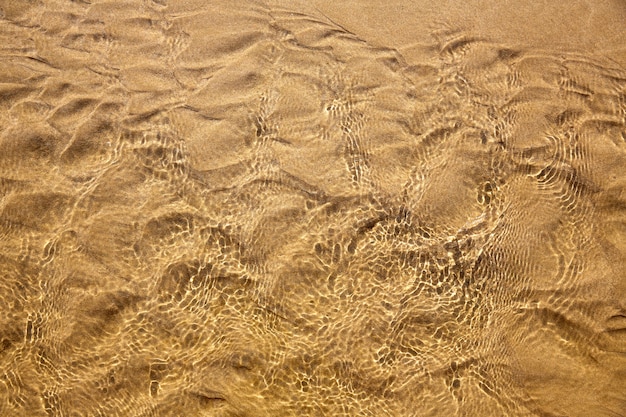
[(219, 208)]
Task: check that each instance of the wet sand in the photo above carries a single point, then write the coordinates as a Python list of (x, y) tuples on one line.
[(220, 208)]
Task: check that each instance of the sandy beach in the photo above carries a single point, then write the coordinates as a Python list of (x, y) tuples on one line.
[(283, 208)]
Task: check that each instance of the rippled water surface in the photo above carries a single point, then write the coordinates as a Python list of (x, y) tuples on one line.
[(249, 208)]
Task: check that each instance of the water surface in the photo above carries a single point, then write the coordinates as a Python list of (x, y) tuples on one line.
[(220, 208)]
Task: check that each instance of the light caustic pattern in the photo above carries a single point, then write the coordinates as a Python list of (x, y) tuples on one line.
[(245, 210)]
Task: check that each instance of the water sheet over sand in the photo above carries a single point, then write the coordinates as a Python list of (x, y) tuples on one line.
[(247, 208)]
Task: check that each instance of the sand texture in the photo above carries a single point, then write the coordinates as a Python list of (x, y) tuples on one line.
[(272, 208)]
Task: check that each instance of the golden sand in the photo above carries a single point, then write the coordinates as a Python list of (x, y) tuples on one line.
[(274, 208)]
